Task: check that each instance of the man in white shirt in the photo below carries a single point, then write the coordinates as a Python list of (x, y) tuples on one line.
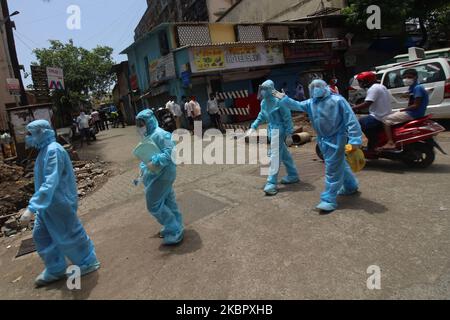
[(213, 111), (83, 125), (188, 113), (175, 109), (379, 103)]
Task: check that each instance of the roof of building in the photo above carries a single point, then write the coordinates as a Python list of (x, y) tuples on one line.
[(243, 43), (166, 24)]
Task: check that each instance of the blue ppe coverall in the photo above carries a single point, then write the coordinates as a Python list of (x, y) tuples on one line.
[(159, 192), (278, 118), (57, 232), (336, 125)]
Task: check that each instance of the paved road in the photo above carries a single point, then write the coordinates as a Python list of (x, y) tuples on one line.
[(240, 244)]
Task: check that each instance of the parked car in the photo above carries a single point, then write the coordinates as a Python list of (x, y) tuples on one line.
[(434, 75)]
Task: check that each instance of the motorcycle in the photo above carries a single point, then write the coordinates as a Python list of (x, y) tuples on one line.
[(165, 118), (415, 143)]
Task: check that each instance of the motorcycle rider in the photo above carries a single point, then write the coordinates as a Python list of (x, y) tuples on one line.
[(417, 106), (378, 102)]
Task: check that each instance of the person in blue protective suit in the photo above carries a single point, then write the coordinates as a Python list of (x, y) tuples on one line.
[(336, 125), (158, 178), (280, 134), (57, 232)]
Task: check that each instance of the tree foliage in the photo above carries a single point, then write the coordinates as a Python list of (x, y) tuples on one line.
[(86, 72), (430, 14)]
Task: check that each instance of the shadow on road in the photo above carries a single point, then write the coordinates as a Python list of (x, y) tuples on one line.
[(302, 186), (356, 202), (88, 283), (400, 168), (191, 243)]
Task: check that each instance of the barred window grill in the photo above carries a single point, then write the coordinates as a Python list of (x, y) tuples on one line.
[(250, 33), (190, 35)]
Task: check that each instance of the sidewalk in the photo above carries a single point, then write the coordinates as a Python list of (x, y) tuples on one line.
[(240, 244)]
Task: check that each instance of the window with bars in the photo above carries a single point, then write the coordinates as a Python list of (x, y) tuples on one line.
[(250, 33), (191, 35)]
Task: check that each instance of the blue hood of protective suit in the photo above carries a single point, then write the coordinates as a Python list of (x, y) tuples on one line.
[(42, 134), (321, 84), (150, 120)]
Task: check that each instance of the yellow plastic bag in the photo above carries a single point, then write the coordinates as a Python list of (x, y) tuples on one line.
[(355, 158)]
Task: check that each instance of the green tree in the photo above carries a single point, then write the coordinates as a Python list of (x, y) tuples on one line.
[(87, 73), (394, 14)]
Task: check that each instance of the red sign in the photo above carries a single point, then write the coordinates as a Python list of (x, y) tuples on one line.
[(134, 82), (306, 51)]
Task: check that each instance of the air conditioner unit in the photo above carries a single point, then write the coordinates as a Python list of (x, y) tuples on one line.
[(415, 53)]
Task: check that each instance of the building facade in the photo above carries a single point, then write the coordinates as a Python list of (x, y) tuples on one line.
[(273, 11), (162, 11), (197, 59), (9, 66)]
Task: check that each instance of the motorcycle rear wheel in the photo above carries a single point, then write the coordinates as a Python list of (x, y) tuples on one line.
[(419, 155)]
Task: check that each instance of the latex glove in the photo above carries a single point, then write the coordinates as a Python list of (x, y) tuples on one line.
[(289, 141), (26, 217), (151, 166), (278, 94), (250, 132)]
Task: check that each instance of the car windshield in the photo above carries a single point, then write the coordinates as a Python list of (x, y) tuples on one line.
[(427, 73)]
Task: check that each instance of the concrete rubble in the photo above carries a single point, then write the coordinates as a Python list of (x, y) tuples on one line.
[(17, 187)]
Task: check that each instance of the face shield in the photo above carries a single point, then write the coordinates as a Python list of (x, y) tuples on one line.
[(263, 92), (318, 89), (141, 128)]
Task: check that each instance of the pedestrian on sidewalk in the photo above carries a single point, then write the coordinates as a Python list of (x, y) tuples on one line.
[(84, 127), (213, 111), (95, 115), (57, 232), (103, 120), (121, 118), (159, 176), (175, 109)]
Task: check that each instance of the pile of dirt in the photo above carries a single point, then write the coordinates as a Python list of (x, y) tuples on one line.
[(90, 174), (17, 187)]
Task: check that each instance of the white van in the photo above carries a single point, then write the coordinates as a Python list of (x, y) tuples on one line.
[(434, 75)]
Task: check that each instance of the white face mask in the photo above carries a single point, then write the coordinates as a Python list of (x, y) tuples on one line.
[(142, 131), (408, 82)]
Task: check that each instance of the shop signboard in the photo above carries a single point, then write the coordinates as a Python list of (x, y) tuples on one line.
[(208, 59), (21, 117), (162, 69), (13, 86), (298, 52), (55, 78)]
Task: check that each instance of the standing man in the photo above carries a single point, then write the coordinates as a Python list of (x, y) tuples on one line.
[(280, 134), (333, 85), (213, 111), (188, 114), (95, 115), (103, 120), (120, 117), (83, 125), (379, 103), (175, 109), (336, 125), (57, 232)]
